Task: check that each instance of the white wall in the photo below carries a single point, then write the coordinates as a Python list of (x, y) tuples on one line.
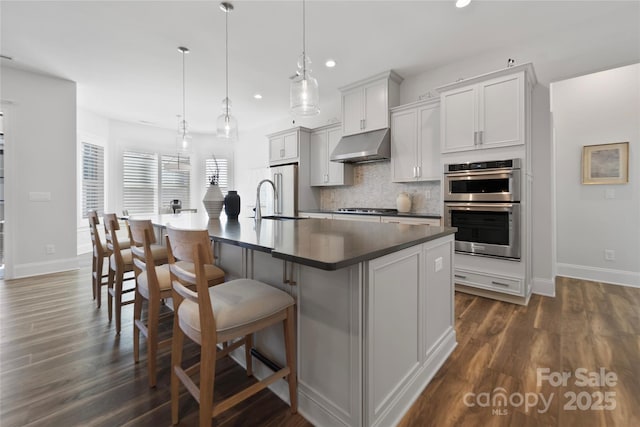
[(40, 150), (598, 108)]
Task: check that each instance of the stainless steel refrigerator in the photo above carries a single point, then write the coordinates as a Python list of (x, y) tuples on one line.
[(285, 179)]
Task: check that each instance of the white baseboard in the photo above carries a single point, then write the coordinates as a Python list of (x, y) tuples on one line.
[(546, 287), (46, 267), (597, 274)]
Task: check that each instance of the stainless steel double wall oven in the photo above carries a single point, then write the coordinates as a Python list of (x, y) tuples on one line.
[(482, 200)]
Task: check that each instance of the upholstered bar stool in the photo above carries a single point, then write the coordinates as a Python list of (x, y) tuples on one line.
[(100, 252), (232, 310), (153, 284), (120, 262)]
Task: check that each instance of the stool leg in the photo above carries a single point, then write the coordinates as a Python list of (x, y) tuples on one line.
[(207, 379), (118, 298), (176, 361), (248, 344), (137, 315), (94, 269), (110, 292), (152, 339), (98, 281), (290, 346)]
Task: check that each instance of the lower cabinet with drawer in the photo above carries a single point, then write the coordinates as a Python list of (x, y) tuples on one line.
[(412, 221), (492, 282)]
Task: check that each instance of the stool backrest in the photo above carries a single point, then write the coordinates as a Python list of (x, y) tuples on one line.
[(180, 244), (137, 228), (111, 225), (94, 221)]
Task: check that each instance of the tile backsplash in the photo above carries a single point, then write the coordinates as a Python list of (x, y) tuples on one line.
[(372, 188)]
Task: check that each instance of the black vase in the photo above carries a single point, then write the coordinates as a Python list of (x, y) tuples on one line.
[(232, 204)]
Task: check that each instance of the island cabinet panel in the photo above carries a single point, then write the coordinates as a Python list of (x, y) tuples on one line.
[(438, 296), (393, 329), (329, 347)]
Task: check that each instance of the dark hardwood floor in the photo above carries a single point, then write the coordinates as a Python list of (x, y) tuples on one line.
[(61, 363)]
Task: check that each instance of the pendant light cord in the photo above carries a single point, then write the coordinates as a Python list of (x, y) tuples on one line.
[(304, 43), (226, 48), (184, 96)]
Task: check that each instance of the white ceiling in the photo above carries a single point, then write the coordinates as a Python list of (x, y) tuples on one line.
[(123, 54)]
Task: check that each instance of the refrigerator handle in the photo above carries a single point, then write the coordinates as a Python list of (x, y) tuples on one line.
[(280, 195), (276, 193)]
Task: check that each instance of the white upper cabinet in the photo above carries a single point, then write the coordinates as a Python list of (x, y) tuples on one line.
[(415, 142), (366, 103), (486, 111), (284, 147), (323, 172)]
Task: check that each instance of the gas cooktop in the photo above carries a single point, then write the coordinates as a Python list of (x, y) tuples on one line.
[(367, 210)]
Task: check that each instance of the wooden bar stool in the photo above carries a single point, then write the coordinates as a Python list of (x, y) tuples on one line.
[(100, 252), (120, 262), (158, 251), (218, 314), (153, 284)]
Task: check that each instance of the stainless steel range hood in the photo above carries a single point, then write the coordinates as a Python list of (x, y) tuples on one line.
[(363, 147)]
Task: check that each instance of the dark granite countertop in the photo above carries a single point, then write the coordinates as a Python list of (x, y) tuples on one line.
[(324, 244), (408, 215)]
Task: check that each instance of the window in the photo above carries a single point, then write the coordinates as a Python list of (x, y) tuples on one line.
[(140, 181), (223, 166), (174, 181), (92, 178)]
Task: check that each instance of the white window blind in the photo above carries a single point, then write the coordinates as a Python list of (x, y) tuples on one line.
[(92, 179), (174, 182), (223, 178), (140, 181)]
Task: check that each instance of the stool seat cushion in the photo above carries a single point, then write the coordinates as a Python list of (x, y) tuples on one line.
[(211, 271), (127, 258), (164, 280), (235, 304)]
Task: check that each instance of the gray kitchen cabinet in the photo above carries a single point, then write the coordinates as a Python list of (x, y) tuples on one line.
[(284, 146), (415, 142), (487, 111), (323, 172), (366, 103)]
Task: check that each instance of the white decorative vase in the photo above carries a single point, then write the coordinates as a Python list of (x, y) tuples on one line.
[(213, 201), (403, 202)]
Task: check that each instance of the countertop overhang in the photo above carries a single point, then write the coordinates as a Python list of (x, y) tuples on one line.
[(320, 243)]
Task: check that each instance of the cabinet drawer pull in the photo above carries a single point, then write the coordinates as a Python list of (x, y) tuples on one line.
[(418, 171), (481, 137), (475, 138), (460, 276), (493, 282)]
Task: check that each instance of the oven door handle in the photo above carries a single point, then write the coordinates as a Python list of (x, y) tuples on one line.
[(483, 206), (502, 173)]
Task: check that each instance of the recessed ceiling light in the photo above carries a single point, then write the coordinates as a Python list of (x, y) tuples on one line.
[(330, 63), (257, 96), (462, 3)]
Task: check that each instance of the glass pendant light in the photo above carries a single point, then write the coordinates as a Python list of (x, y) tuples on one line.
[(227, 125), (304, 95)]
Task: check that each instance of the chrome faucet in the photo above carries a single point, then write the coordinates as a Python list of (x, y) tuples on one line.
[(258, 215)]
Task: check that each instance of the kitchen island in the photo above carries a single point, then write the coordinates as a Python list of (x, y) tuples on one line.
[(374, 308)]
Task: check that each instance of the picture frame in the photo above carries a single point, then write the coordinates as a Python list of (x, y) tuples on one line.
[(605, 163)]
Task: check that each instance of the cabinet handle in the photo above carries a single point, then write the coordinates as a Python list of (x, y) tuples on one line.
[(460, 276), (493, 282), (475, 138), (418, 171), (364, 124), (481, 137), (326, 177), (414, 171), (282, 152)]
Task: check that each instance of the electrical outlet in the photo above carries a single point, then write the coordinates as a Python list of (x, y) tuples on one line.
[(50, 249), (609, 255), (438, 264)]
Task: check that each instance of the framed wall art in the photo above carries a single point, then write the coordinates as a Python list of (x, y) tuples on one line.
[(605, 163)]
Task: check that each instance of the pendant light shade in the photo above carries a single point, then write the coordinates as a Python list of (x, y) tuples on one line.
[(304, 96), (226, 124), (183, 139)]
